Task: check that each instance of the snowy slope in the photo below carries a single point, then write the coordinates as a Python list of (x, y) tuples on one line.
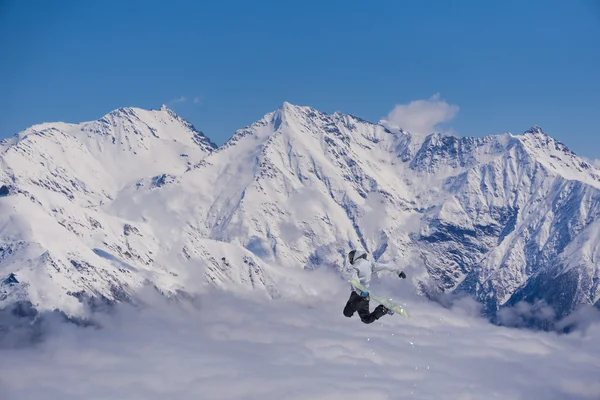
[(59, 244), (504, 218)]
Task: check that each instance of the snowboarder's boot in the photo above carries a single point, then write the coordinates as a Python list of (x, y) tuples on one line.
[(381, 310)]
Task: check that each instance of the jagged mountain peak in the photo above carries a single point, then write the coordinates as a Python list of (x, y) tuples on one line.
[(307, 113), (132, 111), (164, 107), (556, 157), (535, 130), (290, 113), (135, 115), (293, 127), (296, 108), (161, 123), (536, 135), (288, 116), (125, 124), (91, 162), (139, 111)]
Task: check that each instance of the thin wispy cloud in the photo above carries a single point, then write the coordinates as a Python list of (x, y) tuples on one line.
[(180, 99), (423, 116), (183, 99)]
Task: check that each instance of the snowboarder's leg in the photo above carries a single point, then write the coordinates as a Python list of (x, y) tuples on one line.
[(366, 316), (351, 304)]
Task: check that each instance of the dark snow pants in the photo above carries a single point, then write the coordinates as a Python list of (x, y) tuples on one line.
[(359, 304)]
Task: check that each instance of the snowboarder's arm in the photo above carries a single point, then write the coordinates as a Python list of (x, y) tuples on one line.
[(377, 266)]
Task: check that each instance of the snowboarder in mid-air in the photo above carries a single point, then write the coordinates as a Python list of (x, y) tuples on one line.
[(359, 300)]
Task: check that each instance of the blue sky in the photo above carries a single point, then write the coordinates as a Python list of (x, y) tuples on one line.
[(491, 66)]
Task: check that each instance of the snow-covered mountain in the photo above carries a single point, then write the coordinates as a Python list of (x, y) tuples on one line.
[(58, 241), (101, 208)]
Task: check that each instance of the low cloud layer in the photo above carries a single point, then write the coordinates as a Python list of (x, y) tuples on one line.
[(227, 346), (423, 116)]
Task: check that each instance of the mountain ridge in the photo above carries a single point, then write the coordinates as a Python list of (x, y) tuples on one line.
[(297, 189)]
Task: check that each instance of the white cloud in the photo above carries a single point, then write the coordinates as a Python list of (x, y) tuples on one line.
[(423, 116), (523, 313), (290, 232), (229, 346), (180, 99), (375, 218)]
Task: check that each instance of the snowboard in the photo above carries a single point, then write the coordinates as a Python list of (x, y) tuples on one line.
[(389, 304)]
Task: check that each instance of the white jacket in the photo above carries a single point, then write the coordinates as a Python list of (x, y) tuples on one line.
[(363, 269)]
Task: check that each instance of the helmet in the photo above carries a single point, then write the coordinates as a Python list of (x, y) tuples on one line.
[(355, 255)]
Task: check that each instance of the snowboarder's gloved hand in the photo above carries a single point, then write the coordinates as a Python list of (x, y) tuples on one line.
[(364, 294), (402, 275)]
